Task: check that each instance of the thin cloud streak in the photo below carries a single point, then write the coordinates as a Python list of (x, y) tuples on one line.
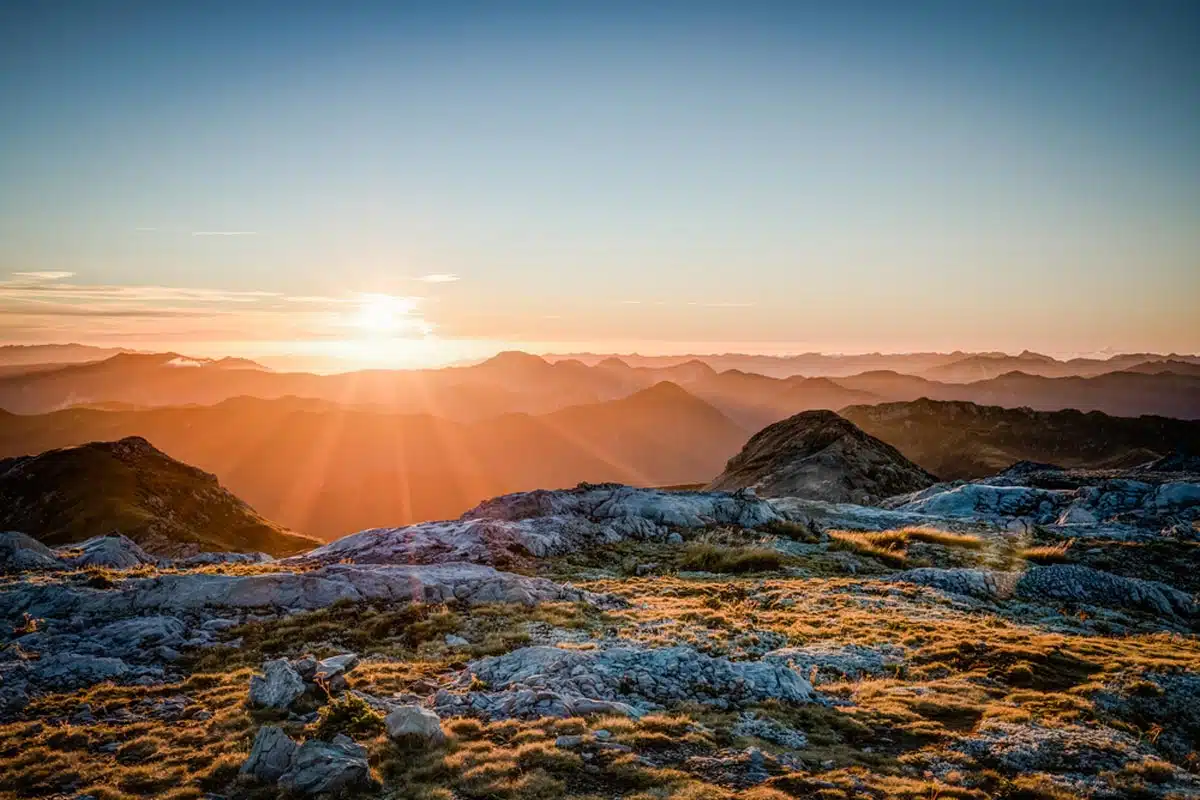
[(224, 233)]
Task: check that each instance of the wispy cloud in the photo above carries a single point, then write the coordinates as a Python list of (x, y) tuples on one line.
[(48, 304), (439, 277), (42, 276), (224, 233)]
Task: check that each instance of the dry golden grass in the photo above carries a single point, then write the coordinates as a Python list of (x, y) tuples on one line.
[(891, 547), (1048, 554), (706, 557)]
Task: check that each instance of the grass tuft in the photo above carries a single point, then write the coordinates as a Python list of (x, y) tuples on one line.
[(706, 557)]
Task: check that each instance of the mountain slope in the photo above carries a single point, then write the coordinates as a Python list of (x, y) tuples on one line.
[(168, 507), (966, 440), (820, 455), (329, 470)]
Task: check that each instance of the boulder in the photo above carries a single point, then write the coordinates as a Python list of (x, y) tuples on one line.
[(320, 768), (414, 727), (64, 671), (21, 553), (278, 687), (128, 637), (113, 551), (271, 756)]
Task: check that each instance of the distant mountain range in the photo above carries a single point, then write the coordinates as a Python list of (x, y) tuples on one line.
[(327, 470), (955, 367), (68, 495), (32, 354), (522, 383), (957, 440), (324, 469)]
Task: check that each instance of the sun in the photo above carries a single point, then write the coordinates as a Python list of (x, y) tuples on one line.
[(384, 313)]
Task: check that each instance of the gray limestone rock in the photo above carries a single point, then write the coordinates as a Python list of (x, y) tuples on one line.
[(414, 727), (278, 687), (271, 756), (114, 551), (555, 682), (327, 768), (21, 553)]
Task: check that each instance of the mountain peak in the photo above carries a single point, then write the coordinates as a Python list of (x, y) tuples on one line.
[(823, 456)]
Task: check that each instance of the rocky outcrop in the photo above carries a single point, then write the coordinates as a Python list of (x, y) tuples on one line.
[(21, 553), (543, 523), (1063, 582), (113, 551), (1078, 584), (821, 456), (134, 630), (1081, 505), (549, 681), (439, 583), (1079, 750)]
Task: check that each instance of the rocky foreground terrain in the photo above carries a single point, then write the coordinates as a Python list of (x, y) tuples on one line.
[(1032, 635)]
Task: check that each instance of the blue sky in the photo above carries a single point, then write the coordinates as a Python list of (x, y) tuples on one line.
[(870, 176)]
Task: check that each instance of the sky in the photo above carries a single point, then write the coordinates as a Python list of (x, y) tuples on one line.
[(418, 183)]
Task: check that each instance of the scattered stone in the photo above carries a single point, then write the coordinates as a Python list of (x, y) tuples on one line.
[(568, 742), (414, 727), (271, 756), (328, 768), (751, 724), (840, 661), (331, 672), (278, 687), (456, 641)]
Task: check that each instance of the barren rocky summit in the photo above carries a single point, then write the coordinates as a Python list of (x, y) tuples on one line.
[(820, 455), (1031, 635)]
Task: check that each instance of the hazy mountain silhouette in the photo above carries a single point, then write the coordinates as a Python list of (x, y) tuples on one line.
[(522, 383), (29, 354)]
